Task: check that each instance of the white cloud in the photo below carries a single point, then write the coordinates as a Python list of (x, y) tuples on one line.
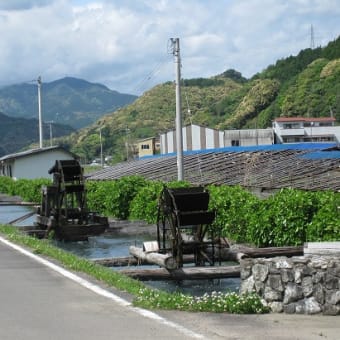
[(123, 44)]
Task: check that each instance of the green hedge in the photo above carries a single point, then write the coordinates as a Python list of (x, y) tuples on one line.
[(283, 219), (28, 189), (113, 198), (144, 206), (290, 217)]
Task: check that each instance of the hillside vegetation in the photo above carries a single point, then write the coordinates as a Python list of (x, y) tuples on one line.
[(18, 133), (305, 85)]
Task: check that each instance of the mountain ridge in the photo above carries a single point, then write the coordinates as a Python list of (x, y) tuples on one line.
[(70, 100)]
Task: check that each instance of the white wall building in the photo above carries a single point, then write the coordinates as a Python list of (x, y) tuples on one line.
[(248, 137), (284, 130), (195, 137), (302, 129), (34, 163)]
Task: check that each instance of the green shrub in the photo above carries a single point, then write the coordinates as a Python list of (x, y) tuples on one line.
[(114, 197), (284, 218), (144, 205), (292, 210), (28, 189), (235, 208), (6, 185), (290, 217), (325, 225), (260, 228), (97, 193)]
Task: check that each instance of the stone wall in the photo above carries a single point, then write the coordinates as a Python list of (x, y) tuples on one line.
[(304, 285)]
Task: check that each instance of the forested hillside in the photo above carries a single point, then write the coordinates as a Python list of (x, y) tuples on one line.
[(18, 133), (306, 85)]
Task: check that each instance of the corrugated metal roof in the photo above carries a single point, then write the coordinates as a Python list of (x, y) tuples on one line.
[(35, 151), (270, 167), (253, 148)]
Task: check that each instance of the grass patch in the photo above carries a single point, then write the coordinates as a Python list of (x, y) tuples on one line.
[(217, 302), (143, 296)]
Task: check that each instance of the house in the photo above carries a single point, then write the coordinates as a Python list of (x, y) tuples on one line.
[(195, 137), (305, 129), (148, 146), (33, 163), (248, 137)]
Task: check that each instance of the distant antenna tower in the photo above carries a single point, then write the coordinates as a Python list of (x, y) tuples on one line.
[(312, 42)]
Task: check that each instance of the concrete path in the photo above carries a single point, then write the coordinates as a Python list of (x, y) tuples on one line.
[(36, 302), (41, 301)]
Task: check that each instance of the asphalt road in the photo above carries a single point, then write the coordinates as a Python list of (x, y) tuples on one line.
[(41, 301), (38, 303)]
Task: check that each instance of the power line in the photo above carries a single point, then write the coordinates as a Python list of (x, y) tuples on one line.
[(156, 69), (141, 85)]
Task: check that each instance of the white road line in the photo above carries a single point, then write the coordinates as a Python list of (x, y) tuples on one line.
[(100, 291)]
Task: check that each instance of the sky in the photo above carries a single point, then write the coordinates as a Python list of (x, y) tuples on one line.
[(126, 44)]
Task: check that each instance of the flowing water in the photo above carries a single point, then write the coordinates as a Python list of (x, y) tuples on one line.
[(118, 246)]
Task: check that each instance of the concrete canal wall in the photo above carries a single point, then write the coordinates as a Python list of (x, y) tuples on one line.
[(307, 284)]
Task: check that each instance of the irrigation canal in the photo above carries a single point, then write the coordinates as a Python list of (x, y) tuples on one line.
[(110, 246)]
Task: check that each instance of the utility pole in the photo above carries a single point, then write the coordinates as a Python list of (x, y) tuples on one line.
[(179, 139), (312, 43), (101, 148), (39, 110), (51, 134), (127, 130)]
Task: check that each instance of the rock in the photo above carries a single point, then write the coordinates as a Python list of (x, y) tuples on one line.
[(287, 275), (298, 275), (333, 297), (259, 287), (260, 272), (300, 307), (276, 306), (244, 274), (318, 262), (312, 306), (332, 282), (331, 310), (248, 285), (272, 295), (304, 285), (318, 293), (308, 306), (284, 262), (319, 277), (274, 281), (292, 293), (335, 271), (307, 286), (246, 268), (290, 308)]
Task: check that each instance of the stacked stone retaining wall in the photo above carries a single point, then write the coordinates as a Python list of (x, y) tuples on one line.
[(303, 285)]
